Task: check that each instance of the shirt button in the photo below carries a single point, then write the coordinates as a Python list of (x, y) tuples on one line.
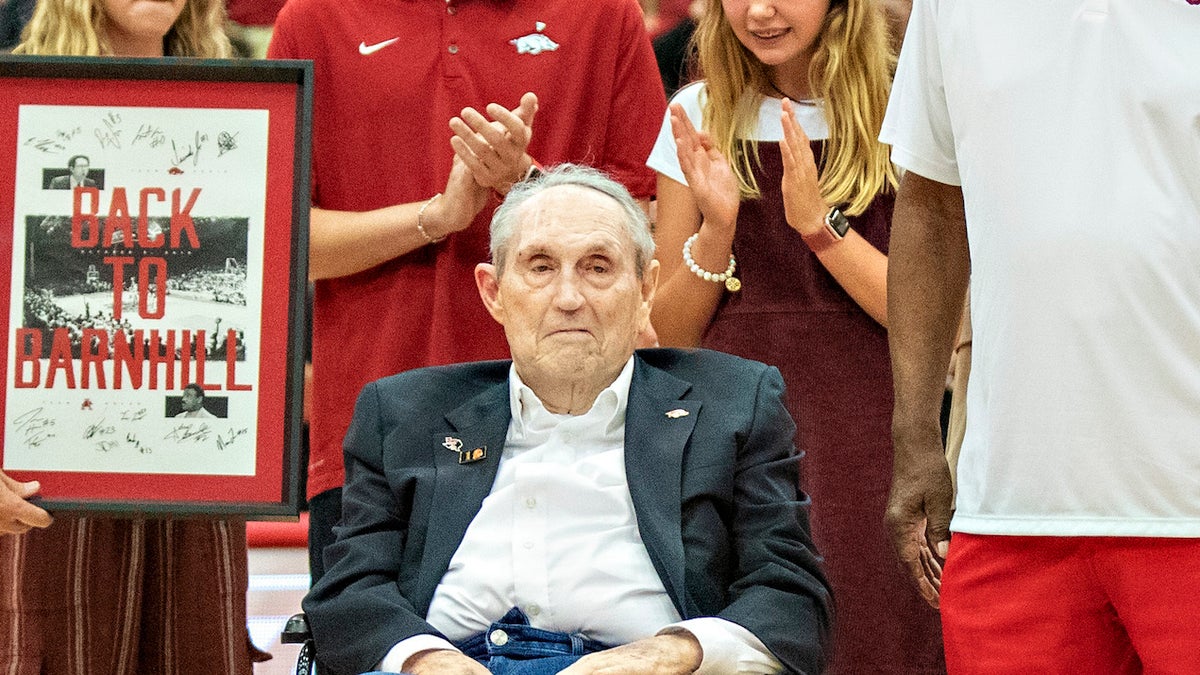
[(451, 9), (531, 503), (453, 49), (498, 637), (533, 610), (529, 544)]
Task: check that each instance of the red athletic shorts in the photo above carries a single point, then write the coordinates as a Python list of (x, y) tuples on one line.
[(1088, 605)]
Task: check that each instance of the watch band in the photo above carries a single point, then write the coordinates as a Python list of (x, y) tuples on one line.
[(534, 172), (834, 230)]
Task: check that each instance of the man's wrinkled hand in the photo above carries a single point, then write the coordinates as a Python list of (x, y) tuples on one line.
[(668, 654), (443, 662)]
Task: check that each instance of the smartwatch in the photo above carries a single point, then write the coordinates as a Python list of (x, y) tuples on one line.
[(835, 229), (533, 173)]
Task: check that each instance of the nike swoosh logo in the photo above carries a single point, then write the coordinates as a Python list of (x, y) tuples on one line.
[(366, 50)]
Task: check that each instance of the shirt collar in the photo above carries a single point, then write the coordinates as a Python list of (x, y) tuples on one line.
[(528, 413)]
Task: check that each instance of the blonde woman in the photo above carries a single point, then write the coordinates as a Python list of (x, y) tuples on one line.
[(124, 597), (126, 28), (774, 207)]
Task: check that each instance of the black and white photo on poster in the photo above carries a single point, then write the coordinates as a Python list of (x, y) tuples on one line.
[(136, 291)]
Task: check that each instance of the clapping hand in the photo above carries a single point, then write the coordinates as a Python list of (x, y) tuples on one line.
[(494, 150), (711, 179), (803, 205)]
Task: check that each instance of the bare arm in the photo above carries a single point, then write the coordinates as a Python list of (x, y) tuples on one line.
[(489, 154), (859, 268), (929, 271), (346, 242), (685, 303)]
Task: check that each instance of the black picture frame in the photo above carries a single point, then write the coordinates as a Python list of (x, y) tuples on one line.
[(96, 358)]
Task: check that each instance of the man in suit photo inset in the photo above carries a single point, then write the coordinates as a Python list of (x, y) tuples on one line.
[(584, 506), (192, 402), (78, 177)]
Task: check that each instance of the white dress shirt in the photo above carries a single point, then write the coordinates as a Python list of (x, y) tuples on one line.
[(558, 538)]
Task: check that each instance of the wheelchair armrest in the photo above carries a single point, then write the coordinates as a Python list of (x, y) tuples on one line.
[(296, 630)]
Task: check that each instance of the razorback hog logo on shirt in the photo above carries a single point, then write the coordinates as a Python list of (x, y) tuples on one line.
[(534, 43)]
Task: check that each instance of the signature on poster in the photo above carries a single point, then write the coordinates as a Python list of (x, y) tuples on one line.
[(55, 144), (133, 415), (189, 432), (34, 427), (109, 131), (153, 134), (226, 440), (226, 142), (192, 150), (101, 428), (132, 439)]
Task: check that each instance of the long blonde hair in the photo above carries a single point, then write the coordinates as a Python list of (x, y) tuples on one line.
[(77, 28), (850, 72)]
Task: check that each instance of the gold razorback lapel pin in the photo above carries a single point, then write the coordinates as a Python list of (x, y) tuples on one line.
[(677, 413), (464, 456)]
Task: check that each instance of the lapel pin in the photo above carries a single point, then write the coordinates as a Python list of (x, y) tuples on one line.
[(677, 413), (464, 456), (468, 456)]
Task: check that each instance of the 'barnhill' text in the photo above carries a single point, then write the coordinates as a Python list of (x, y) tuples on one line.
[(163, 353)]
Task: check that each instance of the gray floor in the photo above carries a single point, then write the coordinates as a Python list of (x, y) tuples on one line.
[(278, 580)]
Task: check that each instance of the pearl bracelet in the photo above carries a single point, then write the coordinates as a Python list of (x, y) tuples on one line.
[(732, 283), (420, 227)]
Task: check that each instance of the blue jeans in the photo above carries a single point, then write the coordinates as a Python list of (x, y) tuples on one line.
[(512, 647)]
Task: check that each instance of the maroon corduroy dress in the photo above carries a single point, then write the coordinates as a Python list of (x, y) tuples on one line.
[(792, 314)]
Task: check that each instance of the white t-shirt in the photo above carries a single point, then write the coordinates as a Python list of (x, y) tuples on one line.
[(1074, 128), (665, 160)]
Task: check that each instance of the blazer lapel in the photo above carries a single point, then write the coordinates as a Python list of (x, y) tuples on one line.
[(657, 428), (460, 488)]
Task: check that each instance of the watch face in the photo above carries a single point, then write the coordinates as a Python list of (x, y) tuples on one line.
[(837, 221)]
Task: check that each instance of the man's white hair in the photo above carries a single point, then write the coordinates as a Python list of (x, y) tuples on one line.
[(637, 225)]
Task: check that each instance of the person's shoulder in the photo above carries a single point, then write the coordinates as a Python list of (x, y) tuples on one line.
[(60, 181), (452, 378), (292, 7), (414, 394), (692, 97), (703, 365), (619, 20), (692, 92), (304, 15)]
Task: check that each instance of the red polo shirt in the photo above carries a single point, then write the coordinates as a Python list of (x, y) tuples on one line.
[(389, 75)]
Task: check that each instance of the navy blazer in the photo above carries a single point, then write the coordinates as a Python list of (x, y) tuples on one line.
[(714, 493)]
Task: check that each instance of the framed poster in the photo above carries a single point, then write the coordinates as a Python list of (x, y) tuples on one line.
[(153, 271)]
